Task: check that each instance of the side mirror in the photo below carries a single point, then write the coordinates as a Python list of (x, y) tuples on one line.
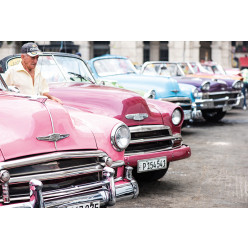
[(13, 89)]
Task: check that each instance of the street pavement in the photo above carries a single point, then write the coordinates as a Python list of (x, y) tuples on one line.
[(216, 174)]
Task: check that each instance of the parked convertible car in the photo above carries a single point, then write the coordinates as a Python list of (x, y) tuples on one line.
[(120, 70), (51, 156), (213, 108), (216, 69), (155, 126), (234, 84)]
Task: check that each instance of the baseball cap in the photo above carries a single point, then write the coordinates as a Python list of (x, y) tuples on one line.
[(31, 49)]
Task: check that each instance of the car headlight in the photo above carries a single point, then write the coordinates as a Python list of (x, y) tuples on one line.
[(120, 137), (176, 117), (195, 93), (238, 85), (151, 94), (205, 86)]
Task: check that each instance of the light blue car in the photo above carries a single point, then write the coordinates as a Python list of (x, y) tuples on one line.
[(119, 71)]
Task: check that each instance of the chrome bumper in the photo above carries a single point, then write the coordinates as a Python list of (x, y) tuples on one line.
[(226, 102), (107, 192), (213, 104), (196, 114), (187, 114), (240, 102)]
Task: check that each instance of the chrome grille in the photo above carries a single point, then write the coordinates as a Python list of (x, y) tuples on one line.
[(218, 96), (184, 102), (150, 138), (57, 171)]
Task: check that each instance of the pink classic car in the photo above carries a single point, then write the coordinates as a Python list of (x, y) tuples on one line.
[(52, 156), (155, 126)]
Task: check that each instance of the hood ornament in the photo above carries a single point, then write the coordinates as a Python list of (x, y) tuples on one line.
[(137, 117), (175, 91), (53, 137)]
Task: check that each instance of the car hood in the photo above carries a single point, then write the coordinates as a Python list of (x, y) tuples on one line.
[(23, 120), (197, 82), (164, 86), (216, 78), (108, 101)]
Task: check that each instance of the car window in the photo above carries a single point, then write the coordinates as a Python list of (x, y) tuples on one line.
[(75, 69), (50, 70), (186, 69), (115, 66)]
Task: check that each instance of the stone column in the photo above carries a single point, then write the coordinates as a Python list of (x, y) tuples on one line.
[(221, 53), (7, 49), (184, 50), (85, 48), (154, 50), (194, 51), (131, 49), (176, 50)]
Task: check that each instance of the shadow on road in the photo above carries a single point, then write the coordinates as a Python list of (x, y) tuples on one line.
[(160, 187)]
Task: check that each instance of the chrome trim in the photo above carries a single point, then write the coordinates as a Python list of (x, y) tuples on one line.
[(235, 82), (151, 140), (204, 83), (51, 118), (137, 116), (113, 133), (151, 151), (36, 197), (57, 175), (147, 128), (53, 137), (108, 176), (127, 190), (65, 173), (50, 157), (104, 191), (128, 172), (4, 180), (174, 99), (223, 92)]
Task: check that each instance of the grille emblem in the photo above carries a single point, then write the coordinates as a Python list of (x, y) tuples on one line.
[(53, 137), (137, 117)]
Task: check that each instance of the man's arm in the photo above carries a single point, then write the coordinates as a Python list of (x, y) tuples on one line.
[(52, 97)]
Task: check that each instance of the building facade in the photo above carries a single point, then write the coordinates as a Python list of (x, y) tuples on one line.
[(226, 53)]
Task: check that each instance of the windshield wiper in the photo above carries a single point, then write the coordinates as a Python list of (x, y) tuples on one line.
[(5, 87), (79, 76)]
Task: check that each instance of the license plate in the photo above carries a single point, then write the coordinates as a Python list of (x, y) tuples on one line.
[(226, 108), (95, 204), (152, 164)]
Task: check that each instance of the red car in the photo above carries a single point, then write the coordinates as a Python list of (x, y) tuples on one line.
[(155, 126)]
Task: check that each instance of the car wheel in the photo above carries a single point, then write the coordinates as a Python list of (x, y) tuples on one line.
[(150, 176), (214, 115)]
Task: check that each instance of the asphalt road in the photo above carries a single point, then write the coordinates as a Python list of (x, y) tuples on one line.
[(216, 174)]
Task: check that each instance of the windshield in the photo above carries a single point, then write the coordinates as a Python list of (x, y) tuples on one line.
[(108, 67), (186, 68), (197, 67), (162, 69), (215, 69), (61, 68)]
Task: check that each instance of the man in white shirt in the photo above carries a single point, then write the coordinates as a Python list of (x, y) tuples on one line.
[(26, 76)]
